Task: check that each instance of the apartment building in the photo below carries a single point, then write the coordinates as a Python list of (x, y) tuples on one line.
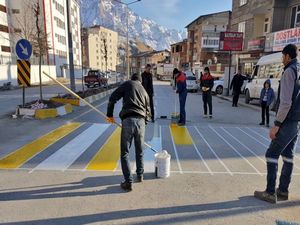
[(53, 23), (268, 25), (203, 42), (100, 48), (179, 54), (5, 49)]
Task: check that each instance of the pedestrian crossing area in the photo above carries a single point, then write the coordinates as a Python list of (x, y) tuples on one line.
[(216, 149)]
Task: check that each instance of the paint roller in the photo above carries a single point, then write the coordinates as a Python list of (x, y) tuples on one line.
[(90, 105)]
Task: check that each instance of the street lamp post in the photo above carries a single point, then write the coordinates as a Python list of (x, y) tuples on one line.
[(127, 34)]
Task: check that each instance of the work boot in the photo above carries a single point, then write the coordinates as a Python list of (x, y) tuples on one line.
[(282, 196), (126, 186), (265, 196), (139, 179), (210, 116), (261, 123)]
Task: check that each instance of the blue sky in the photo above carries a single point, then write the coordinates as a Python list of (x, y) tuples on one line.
[(177, 13)]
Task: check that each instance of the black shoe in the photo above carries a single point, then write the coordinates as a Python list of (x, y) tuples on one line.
[(267, 125), (139, 179), (262, 124), (126, 186), (265, 196), (181, 124), (210, 116), (282, 196)]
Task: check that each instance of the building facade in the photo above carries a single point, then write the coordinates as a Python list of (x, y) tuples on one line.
[(139, 61), (203, 42), (267, 25), (179, 54), (100, 48), (5, 49)]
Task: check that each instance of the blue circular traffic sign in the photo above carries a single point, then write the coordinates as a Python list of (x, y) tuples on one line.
[(23, 49)]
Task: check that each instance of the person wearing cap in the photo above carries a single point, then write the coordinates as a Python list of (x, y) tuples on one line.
[(267, 96), (285, 131), (135, 114)]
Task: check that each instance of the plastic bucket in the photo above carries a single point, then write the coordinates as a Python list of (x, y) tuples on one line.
[(162, 164)]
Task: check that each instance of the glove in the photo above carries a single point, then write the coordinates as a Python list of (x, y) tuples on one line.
[(110, 120)]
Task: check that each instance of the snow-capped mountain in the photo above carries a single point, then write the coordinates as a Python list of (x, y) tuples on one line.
[(111, 14)]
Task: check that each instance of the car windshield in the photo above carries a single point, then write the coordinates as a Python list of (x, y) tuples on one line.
[(191, 78)]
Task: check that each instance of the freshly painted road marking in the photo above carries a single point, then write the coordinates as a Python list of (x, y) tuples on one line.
[(260, 158), (295, 166), (181, 135), (211, 149), (108, 156), (176, 154), (66, 155), (23, 154), (234, 149), (198, 152)]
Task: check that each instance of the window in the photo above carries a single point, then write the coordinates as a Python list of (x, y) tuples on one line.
[(243, 2), (266, 26), (5, 49), (295, 17), (3, 28), (242, 27), (2, 8), (15, 11)]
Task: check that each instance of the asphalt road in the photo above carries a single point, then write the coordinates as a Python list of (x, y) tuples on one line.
[(66, 170)]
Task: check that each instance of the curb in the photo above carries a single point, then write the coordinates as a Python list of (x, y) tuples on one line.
[(51, 113), (79, 102), (272, 113), (46, 113)]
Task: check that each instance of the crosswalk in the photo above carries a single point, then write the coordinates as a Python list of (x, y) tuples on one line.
[(195, 149)]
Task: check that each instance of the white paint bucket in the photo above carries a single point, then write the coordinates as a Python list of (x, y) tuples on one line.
[(162, 164)]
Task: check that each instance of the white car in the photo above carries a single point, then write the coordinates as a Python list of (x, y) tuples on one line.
[(191, 81), (218, 86)]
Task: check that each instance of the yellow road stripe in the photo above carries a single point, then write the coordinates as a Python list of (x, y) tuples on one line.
[(108, 156), (181, 135), (21, 155)]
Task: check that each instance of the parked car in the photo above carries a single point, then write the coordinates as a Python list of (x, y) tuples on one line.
[(95, 78), (218, 86)]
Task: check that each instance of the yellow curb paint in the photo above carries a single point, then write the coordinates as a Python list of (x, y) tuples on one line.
[(68, 108), (67, 101), (181, 135), (45, 113), (23, 154), (108, 156)]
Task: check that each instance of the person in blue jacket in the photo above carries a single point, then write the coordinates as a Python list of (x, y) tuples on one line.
[(267, 96), (182, 92)]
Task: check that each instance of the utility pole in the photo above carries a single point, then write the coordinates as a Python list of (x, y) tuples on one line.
[(70, 41)]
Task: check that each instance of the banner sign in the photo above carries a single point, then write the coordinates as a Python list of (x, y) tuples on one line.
[(284, 37), (256, 44), (231, 41)]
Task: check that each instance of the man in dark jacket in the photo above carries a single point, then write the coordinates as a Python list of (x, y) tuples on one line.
[(134, 115), (147, 83), (285, 131), (236, 84), (182, 91)]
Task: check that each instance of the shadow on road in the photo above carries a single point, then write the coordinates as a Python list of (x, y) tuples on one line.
[(167, 215)]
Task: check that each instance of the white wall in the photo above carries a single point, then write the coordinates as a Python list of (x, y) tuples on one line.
[(9, 74)]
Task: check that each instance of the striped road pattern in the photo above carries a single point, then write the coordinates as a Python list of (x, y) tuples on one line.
[(198, 149)]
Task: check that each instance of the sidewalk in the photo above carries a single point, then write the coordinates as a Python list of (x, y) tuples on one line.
[(253, 105)]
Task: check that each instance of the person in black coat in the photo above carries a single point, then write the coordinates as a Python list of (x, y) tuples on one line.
[(147, 83), (236, 84)]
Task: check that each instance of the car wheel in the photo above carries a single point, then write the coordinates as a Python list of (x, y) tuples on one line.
[(247, 98), (219, 90)]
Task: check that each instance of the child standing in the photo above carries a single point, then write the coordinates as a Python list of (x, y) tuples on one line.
[(266, 98)]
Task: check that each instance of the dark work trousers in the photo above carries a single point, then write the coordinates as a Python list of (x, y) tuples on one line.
[(207, 100), (265, 112), (132, 128), (152, 107), (235, 98), (182, 100), (283, 145)]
